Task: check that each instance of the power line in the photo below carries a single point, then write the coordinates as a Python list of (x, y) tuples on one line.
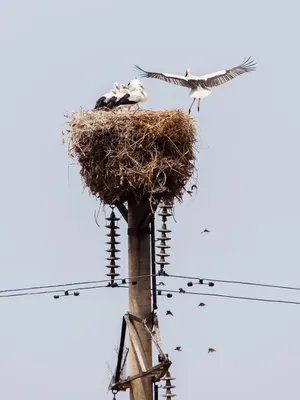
[(52, 291), (158, 291), (96, 282), (236, 282), (71, 284), (234, 297)]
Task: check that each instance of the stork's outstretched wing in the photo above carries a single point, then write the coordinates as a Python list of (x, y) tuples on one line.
[(174, 79), (220, 77)]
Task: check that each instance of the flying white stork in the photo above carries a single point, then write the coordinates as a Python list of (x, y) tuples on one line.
[(200, 86)]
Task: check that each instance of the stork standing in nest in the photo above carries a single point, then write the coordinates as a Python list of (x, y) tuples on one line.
[(201, 86), (134, 94), (123, 96), (109, 98)]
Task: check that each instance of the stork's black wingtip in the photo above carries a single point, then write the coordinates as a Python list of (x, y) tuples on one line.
[(249, 64), (141, 71)]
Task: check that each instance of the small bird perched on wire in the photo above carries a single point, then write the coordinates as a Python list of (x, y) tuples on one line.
[(178, 348), (181, 290), (202, 305), (169, 313), (201, 86), (211, 350)]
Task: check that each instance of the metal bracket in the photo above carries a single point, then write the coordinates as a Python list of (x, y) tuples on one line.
[(151, 213), (122, 209), (121, 350), (158, 371), (154, 333), (143, 213), (136, 231), (145, 217)]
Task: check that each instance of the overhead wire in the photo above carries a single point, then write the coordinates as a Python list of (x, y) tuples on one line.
[(96, 284), (158, 291), (234, 297), (91, 282), (71, 284), (236, 282), (52, 291)]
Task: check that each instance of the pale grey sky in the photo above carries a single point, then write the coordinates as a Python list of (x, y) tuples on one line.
[(57, 56)]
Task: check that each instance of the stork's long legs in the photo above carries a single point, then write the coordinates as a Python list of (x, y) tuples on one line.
[(190, 109), (134, 105), (199, 105)]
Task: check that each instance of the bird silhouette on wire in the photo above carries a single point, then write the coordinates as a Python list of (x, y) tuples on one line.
[(178, 348), (169, 313), (211, 350), (181, 290)]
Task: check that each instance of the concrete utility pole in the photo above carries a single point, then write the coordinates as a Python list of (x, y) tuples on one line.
[(141, 321), (140, 294)]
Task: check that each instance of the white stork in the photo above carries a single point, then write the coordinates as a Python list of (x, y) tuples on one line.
[(134, 94), (200, 86), (108, 99), (123, 96), (135, 84), (124, 88)]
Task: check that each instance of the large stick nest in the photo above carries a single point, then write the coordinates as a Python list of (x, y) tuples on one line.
[(135, 153)]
